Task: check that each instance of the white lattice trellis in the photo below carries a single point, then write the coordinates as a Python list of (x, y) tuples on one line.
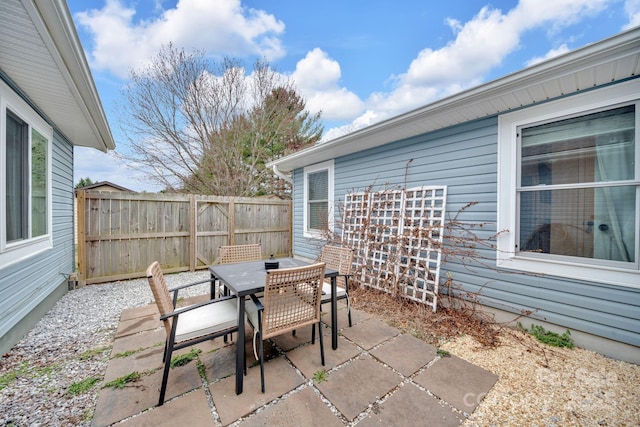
[(397, 238)]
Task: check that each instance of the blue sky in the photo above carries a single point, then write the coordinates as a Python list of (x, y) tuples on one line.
[(358, 62)]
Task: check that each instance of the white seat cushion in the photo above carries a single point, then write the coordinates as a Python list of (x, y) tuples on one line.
[(208, 319), (251, 310), (326, 292)]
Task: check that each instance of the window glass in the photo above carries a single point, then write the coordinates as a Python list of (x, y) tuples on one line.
[(17, 178), (590, 223), (568, 204), (593, 148), (39, 175), (318, 199)]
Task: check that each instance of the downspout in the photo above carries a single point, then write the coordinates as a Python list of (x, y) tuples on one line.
[(281, 175)]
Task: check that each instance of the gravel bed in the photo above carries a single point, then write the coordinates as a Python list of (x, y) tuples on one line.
[(70, 344), (538, 385)]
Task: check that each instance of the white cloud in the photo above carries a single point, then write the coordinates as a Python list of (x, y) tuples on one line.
[(218, 27), (317, 77), (368, 118), (632, 8), (479, 46), (99, 166), (551, 54)]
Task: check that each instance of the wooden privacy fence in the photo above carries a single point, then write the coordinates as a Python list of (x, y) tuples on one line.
[(120, 234)]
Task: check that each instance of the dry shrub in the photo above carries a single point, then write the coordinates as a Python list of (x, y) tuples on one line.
[(456, 317)]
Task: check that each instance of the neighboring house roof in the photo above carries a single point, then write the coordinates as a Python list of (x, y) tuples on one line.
[(41, 57), (106, 186), (613, 59)]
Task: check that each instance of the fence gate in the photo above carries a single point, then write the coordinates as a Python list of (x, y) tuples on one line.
[(397, 239), (211, 222)]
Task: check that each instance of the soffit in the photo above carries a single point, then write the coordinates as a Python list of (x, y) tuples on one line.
[(41, 54)]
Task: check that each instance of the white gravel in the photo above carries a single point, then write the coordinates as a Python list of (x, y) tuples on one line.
[(35, 375)]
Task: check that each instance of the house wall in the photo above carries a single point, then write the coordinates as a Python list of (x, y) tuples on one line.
[(28, 289), (464, 158)]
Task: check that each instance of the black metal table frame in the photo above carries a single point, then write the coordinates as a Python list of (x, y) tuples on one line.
[(248, 278)]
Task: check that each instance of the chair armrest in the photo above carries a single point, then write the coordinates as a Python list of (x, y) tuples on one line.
[(342, 275), (199, 282), (346, 278), (257, 302), (175, 290), (194, 306)]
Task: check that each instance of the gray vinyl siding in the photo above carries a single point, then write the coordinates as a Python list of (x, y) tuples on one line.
[(464, 158), (25, 285)]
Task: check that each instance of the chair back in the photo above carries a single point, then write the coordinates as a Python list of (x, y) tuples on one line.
[(160, 293), (338, 258), (292, 298), (239, 253)]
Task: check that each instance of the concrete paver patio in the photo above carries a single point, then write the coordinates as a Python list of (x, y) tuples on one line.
[(377, 376)]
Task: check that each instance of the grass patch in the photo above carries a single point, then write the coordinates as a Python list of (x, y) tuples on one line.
[(121, 382), (9, 377), (27, 371), (87, 415), (202, 370), (183, 359), (83, 386), (550, 338), (125, 353), (443, 353), (320, 376), (47, 370), (128, 353), (89, 354)]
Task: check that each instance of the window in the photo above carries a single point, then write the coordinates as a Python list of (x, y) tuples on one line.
[(572, 200), (25, 194), (318, 199)]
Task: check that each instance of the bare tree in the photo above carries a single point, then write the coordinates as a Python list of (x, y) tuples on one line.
[(209, 128)]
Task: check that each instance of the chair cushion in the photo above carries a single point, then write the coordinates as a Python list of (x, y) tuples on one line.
[(207, 320), (326, 292), (251, 310)]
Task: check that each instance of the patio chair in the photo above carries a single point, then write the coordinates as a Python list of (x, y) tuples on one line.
[(189, 325), (341, 259), (291, 300), (237, 253)]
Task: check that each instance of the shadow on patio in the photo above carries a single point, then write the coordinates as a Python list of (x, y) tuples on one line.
[(377, 376)]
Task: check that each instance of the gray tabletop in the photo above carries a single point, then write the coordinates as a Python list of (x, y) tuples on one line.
[(247, 278)]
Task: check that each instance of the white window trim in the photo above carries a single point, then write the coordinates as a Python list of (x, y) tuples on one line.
[(328, 166), (508, 124), (11, 253)]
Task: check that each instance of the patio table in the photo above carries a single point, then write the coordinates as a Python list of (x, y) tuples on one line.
[(246, 278)]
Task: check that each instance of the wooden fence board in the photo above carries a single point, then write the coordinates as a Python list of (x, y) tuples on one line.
[(120, 234)]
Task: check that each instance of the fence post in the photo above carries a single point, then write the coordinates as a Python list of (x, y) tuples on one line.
[(193, 214), (290, 227), (81, 236), (232, 221)]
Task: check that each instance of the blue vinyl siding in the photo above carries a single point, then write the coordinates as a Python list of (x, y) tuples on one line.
[(25, 285), (464, 158)]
